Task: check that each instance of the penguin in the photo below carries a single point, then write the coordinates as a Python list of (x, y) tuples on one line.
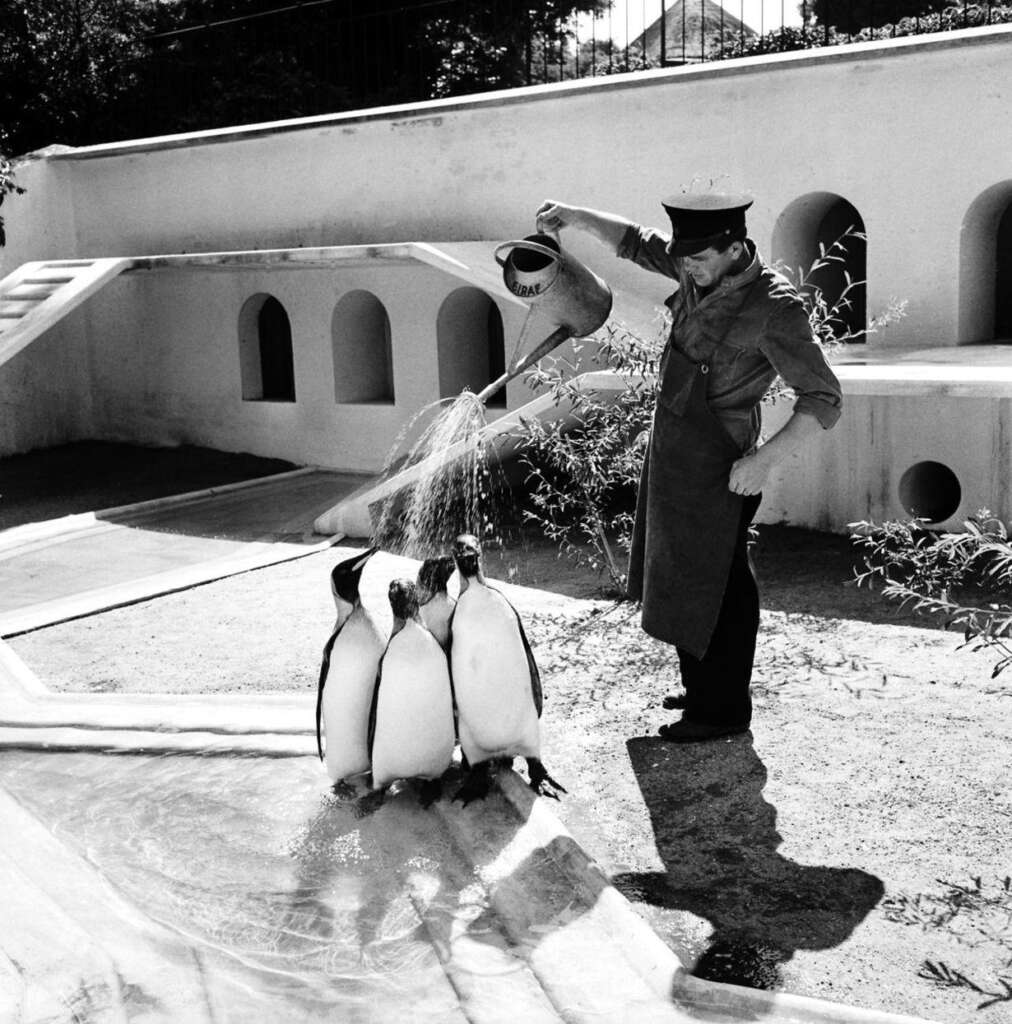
[(347, 675), (437, 605), (411, 729), (495, 679)]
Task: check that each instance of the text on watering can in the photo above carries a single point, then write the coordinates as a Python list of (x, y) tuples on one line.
[(524, 291)]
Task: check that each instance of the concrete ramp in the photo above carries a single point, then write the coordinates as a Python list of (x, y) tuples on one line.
[(350, 517), (37, 295)]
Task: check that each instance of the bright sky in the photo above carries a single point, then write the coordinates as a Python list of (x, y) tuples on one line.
[(630, 17)]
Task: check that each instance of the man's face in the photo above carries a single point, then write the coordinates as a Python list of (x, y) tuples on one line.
[(708, 267)]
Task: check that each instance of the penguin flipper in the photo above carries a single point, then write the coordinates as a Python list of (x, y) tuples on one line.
[(373, 706), (328, 647), (449, 669), (536, 691)]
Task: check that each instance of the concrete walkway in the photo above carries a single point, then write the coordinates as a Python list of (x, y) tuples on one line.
[(85, 563), (494, 911)]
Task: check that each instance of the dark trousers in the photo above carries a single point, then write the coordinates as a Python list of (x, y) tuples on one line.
[(717, 685)]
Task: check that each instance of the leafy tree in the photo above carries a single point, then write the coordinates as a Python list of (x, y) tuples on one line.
[(64, 65), (944, 17), (902, 17), (853, 15), (7, 186), (85, 71)]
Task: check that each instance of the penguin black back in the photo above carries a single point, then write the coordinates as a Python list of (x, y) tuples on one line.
[(403, 596), (434, 574), (467, 555)]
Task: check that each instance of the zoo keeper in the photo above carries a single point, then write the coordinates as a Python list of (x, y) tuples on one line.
[(736, 324)]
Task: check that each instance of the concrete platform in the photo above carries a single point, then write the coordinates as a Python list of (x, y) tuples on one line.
[(963, 371)]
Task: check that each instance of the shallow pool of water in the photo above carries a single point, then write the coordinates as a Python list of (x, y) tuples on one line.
[(291, 904)]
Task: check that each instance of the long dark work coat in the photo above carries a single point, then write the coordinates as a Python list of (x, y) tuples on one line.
[(686, 515)]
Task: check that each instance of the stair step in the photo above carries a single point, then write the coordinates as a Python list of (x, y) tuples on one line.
[(38, 295), (26, 290), (14, 307)]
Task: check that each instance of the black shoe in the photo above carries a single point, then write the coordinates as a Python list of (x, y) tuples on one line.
[(675, 701), (698, 732)]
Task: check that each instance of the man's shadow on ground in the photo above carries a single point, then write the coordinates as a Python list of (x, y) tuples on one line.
[(717, 837)]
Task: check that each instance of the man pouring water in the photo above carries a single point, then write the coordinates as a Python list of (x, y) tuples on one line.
[(736, 325)]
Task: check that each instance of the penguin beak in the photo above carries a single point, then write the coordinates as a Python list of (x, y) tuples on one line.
[(363, 558)]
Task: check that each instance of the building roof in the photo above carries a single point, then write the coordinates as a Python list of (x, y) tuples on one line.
[(693, 29)]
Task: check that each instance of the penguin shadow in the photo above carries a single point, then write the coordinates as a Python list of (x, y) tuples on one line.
[(717, 837)]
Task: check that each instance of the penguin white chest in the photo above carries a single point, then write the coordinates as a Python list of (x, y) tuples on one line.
[(436, 614), (347, 695), (492, 678), (413, 734)]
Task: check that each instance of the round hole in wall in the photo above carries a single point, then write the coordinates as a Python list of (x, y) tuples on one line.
[(931, 491)]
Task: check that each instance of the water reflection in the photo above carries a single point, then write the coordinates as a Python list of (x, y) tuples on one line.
[(281, 900)]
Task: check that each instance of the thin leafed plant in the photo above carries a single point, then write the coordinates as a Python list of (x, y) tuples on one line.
[(829, 318), (964, 578), (580, 483)]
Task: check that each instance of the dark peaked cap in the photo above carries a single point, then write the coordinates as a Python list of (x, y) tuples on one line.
[(701, 220)]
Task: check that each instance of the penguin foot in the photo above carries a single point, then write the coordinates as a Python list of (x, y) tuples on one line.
[(344, 790), (429, 791), (541, 782), (370, 803), (476, 785)]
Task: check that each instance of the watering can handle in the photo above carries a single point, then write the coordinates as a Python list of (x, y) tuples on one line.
[(534, 246)]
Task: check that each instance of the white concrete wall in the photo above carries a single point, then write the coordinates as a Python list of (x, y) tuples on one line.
[(915, 133), (165, 367), (853, 472), (912, 132)]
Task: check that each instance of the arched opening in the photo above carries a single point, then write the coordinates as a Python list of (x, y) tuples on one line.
[(265, 351), (985, 268), (1003, 279), (363, 350), (471, 344), (820, 240)]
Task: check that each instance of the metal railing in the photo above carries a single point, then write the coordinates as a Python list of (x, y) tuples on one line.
[(322, 56)]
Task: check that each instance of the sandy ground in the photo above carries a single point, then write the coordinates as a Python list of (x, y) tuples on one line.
[(856, 846)]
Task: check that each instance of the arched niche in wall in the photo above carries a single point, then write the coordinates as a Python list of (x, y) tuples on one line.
[(985, 268), (362, 349), (824, 221), (265, 351), (471, 344)]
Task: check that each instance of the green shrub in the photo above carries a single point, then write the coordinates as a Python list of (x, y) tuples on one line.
[(966, 578), (580, 484)]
